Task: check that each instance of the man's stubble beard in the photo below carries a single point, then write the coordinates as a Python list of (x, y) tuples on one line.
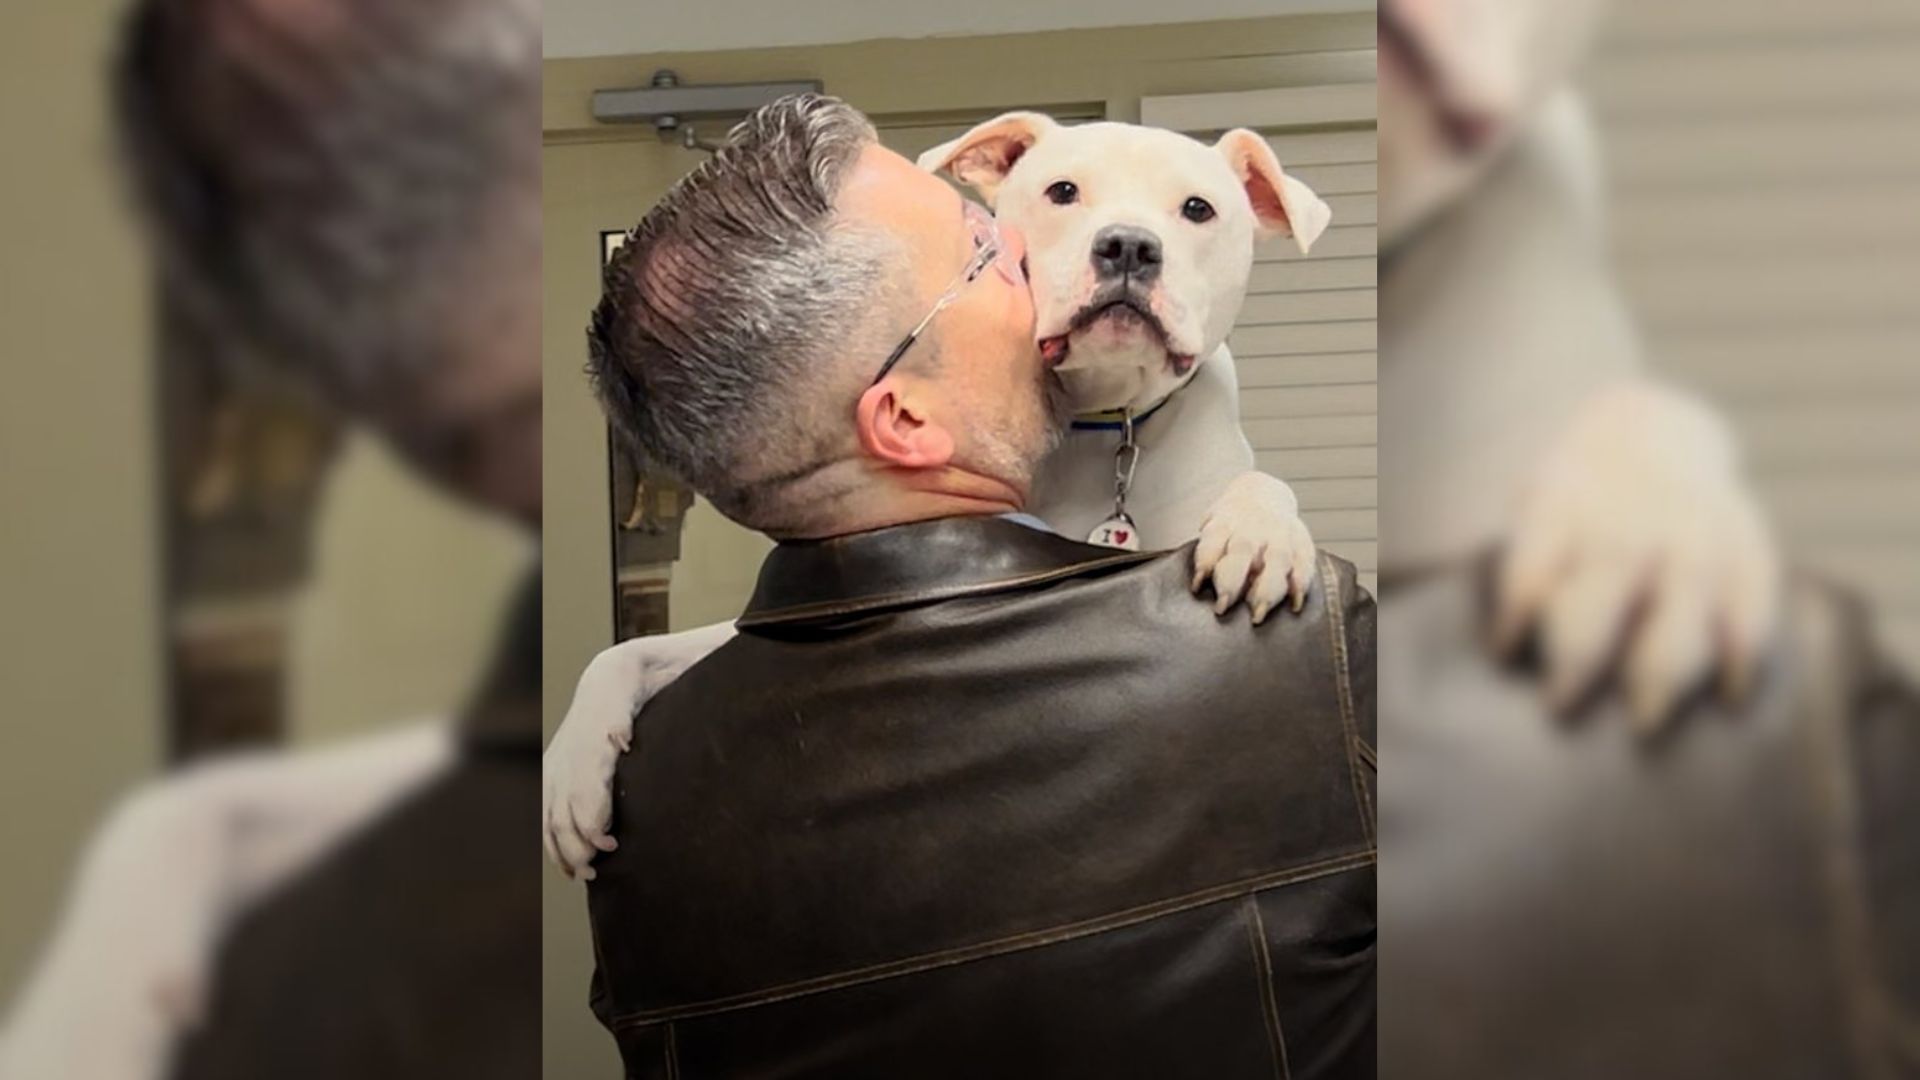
[(1010, 445)]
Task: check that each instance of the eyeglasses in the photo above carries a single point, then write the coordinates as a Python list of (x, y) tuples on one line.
[(987, 248)]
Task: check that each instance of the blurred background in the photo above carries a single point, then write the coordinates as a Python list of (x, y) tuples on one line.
[(627, 552), (1765, 196), (186, 564)]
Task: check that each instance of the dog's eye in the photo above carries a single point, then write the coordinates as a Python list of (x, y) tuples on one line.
[(1062, 192), (1197, 210)]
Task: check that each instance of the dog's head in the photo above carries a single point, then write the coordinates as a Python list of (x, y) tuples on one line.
[(1139, 241), (1457, 79)]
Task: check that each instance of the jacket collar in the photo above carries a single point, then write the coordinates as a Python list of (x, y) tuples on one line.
[(914, 564), (503, 715)]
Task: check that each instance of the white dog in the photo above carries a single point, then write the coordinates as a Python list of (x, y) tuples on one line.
[(1140, 243)]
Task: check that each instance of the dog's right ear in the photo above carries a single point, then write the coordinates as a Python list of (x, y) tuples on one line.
[(983, 157)]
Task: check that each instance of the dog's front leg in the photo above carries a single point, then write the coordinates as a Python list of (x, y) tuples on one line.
[(126, 970), (1639, 536), (119, 979), (1253, 543), (577, 768)]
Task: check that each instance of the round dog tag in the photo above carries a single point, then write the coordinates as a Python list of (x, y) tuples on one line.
[(1116, 532)]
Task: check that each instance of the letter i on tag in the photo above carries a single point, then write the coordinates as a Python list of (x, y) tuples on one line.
[(1116, 532)]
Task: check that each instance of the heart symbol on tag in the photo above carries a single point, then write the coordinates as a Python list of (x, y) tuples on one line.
[(1120, 536)]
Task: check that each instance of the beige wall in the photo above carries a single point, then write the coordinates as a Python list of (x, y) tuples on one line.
[(78, 672), (408, 590), (604, 178)]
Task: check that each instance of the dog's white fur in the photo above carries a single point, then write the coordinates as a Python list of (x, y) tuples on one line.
[(1195, 475), (1192, 449)]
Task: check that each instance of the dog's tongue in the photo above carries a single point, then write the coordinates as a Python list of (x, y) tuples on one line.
[(1054, 349)]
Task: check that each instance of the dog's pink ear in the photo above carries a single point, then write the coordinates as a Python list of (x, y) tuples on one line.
[(1281, 205), (981, 158)]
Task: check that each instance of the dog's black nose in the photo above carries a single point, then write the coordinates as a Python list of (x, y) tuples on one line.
[(1125, 250)]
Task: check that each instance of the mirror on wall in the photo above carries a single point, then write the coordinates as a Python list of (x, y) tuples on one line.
[(243, 465)]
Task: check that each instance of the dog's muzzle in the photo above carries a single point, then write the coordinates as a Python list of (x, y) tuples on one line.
[(1122, 302)]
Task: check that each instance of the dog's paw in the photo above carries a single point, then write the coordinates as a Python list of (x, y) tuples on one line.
[(576, 808), (1639, 539), (577, 769), (1253, 544)]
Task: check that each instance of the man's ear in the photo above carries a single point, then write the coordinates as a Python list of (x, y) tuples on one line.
[(1281, 205), (894, 430), (983, 157)]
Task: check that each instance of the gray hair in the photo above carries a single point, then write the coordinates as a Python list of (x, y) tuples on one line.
[(330, 182), (720, 346)]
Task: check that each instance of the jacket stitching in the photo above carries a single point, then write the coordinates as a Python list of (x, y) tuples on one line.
[(1849, 912), (922, 596), (999, 946), (671, 1047), (1337, 629), (1269, 1008), (600, 967)]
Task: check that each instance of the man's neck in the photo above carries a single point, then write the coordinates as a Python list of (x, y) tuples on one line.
[(901, 497)]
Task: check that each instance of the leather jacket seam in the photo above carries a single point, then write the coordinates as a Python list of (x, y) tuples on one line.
[(1874, 1024), (671, 1049), (1343, 689), (1367, 753), (924, 596), (1263, 970), (1020, 942)]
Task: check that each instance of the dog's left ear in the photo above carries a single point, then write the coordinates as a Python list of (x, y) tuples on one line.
[(984, 156), (1281, 204)]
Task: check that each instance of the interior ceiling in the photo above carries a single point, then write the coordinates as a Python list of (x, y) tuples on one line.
[(620, 27)]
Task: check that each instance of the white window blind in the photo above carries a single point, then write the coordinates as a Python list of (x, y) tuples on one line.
[(1766, 204)]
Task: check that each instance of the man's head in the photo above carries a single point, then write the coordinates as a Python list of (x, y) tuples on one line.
[(347, 191), (745, 321), (1458, 78), (1140, 240)]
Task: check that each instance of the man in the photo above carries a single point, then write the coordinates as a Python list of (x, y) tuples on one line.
[(963, 798), (348, 194)]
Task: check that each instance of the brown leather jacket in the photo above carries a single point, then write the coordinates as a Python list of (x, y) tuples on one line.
[(967, 799), (1739, 898)]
